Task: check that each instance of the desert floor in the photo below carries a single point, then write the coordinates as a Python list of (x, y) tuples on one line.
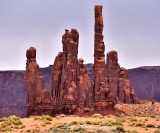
[(147, 120)]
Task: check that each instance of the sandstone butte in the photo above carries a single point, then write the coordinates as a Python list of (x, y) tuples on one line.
[(72, 91)]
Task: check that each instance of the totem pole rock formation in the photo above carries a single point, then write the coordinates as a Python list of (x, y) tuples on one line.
[(118, 80), (100, 83), (74, 89), (38, 99)]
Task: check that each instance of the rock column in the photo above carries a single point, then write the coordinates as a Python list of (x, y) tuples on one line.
[(37, 103), (100, 82)]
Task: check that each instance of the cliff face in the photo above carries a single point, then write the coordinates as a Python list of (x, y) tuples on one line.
[(146, 81), (12, 93)]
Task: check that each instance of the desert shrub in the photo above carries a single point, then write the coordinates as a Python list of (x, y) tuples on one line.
[(6, 129), (17, 122), (22, 126), (88, 122), (3, 119), (62, 125), (16, 127), (82, 122), (137, 124), (96, 122), (74, 123), (58, 130), (97, 116), (150, 126), (156, 131), (37, 117), (58, 117), (9, 123), (119, 122), (28, 130), (134, 131), (132, 119), (146, 119), (100, 131), (120, 129), (46, 117), (110, 123), (79, 129)]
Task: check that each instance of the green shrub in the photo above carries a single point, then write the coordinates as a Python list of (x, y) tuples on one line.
[(97, 116), (58, 117), (37, 117), (82, 122), (156, 131), (132, 119), (22, 126), (3, 119), (110, 123), (137, 124), (119, 122), (96, 122), (120, 129), (79, 129), (74, 123), (46, 117), (17, 122), (16, 127), (150, 126)]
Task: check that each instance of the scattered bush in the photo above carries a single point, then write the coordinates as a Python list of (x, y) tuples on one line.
[(79, 129), (22, 126), (132, 119), (137, 124), (88, 122), (46, 117), (97, 116), (120, 129), (74, 123), (150, 126), (9, 123), (156, 131)]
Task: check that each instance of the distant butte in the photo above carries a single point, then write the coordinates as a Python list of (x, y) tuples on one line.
[(72, 90)]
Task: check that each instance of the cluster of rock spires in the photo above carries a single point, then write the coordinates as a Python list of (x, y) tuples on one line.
[(72, 89)]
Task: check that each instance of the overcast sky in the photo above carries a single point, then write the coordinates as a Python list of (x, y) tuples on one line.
[(131, 27)]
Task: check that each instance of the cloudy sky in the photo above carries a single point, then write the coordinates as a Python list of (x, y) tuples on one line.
[(131, 27)]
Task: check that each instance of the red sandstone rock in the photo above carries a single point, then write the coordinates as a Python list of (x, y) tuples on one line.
[(100, 82), (35, 86), (119, 83), (85, 87), (64, 83), (72, 88)]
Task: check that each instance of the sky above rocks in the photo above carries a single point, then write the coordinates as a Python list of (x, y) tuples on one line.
[(131, 27)]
